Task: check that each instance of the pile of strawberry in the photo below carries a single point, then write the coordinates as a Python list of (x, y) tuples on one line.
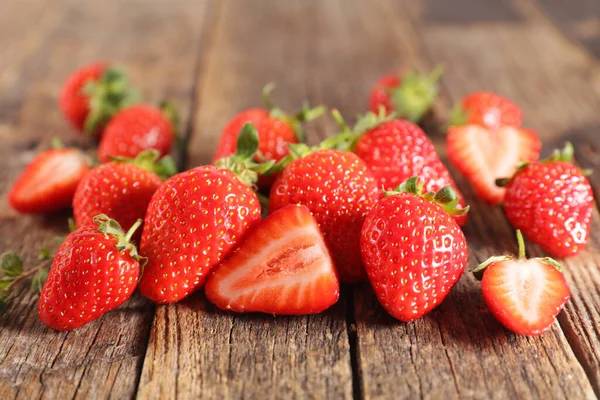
[(372, 202)]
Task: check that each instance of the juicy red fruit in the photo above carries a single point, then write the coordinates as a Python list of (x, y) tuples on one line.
[(338, 188), (194, 220), (414, 253), (282, 268), (551, 202), (89, 277), (525, 295), (49, 181), (489, 110), (73, 102), (397, 150), (135, 129)]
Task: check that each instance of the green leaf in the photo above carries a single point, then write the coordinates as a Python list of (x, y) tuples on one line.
[(72, 225), (45, 254), (57, 143), (165, 167), (11, 264), (38, 280), (247, 142)]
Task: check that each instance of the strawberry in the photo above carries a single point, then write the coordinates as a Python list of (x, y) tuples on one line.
[(551, 202), (49, 181), (524, 295), (395, 150), (484, 155), (338, 188), (282, 268), (138, 128), (408, 94), (196, 218), (93, 94), (121, 190), (413, 250), (488, 110), (94, 271), (275, 130)]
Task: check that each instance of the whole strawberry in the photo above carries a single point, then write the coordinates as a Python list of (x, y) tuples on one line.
[(195, 219), (49, 181), (138, 128), (93, 94), (408, 94), (413, 250), (120, 189), (488, 110), (275, 130), (338, 188), (524, 295), (551, 201), (95, 270), (395, 150)]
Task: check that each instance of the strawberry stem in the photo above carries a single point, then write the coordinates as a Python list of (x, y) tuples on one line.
[(521, 243)]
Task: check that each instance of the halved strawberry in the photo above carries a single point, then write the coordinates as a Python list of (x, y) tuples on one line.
[(49, 181), (283, 268), (483, 155), (524, 295)]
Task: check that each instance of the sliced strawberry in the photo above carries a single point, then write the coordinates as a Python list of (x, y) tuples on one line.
[(525, 295), (283, 268), (49, 181), (483, 155)]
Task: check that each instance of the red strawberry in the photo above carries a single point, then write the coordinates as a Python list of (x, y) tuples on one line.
[(339, 190), (93, 94), (49, 181), (396, 150), (414, 251), (524, 295), (483, 155), (121, 190), (195, 219), (275, 131), (135, 129), (282, 268), (488, 110), (551, 202), (95, 270), (409, 94)]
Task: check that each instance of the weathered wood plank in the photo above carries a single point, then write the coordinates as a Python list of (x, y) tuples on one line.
[(459, 349), (159, 43), (208, 353)]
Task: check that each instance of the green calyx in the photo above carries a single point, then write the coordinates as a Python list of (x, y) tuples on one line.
[(171, 113), (297, 120), (150, 160), (348, 137), (243, 163), (107, 96), (416, 94), (110, 227), (458, 116), (445, 197), (479, 270)]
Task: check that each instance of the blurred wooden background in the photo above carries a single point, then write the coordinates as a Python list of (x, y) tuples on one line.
[(212, 58)]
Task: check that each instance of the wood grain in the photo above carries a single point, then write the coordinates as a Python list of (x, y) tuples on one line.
[(103, 359), (208, 353)]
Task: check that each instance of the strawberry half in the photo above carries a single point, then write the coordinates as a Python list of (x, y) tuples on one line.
[(484, 155), (282, 268), (49, 181), (524, 295), (488, 110)]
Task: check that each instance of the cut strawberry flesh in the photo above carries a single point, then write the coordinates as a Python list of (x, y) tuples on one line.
[(525, 295), (49, 182), (283, 268), (484, 155)]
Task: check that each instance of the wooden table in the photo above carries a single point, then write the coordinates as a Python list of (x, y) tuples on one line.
[(212, 58)]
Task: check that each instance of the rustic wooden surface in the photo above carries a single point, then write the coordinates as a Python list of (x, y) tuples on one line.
[(212, 58)]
